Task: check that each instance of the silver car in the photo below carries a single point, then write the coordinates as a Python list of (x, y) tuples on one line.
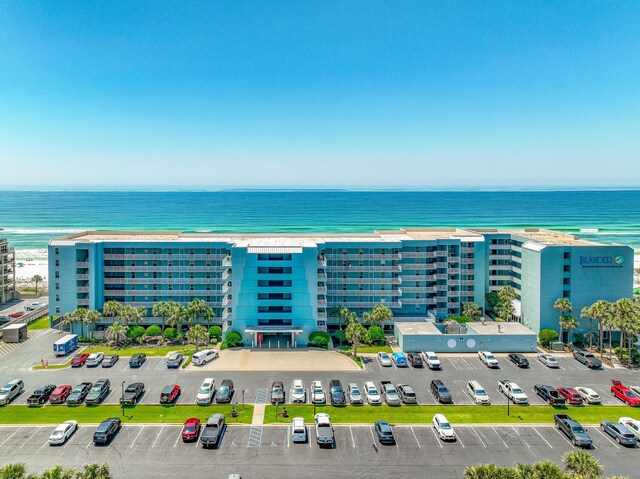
[(549, 361), (385, 360), (355, 396)]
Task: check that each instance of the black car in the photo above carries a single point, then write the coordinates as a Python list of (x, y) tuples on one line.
[(225, 391), (110, 360), (336, 393), (106, 431), (277, 393), (174, 360), (78, 393), (132, 393), (384, 432), (519, 360), (98, 392), (40, 395), (137, 360), (440, 392), (213, 431), (415, 360), (549, 394)]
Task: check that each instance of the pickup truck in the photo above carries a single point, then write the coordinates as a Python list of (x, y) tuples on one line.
[(213, 431), (573, 430), (512, 391), (587, 358), (324, 430), (389, 393)]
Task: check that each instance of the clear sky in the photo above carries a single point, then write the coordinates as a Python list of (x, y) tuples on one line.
[(307, 93)]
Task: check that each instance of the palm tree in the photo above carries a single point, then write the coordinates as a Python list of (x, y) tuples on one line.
[(180, 315), (37, 279), (16, 470), (79, 315), (112, 309), (58, 472), (582, 464), (198, 334), (548, 470), (68, 320), (505, 306), (198, 309), (628, 319), (379, 315), (90, 319), (163, 310), (587, 312), (355, 333), (603, 311), (564, 305), (489, 471), (472, 310), (132, 314), (116, 332), (341, 313), (524, 471), (94, 471), (569, 323)]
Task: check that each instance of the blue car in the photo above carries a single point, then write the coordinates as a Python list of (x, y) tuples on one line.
[(619, 432), (400, 360)]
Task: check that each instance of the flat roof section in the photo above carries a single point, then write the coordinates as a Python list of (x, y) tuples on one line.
[(542, 236), (494, 327), (412, 328)]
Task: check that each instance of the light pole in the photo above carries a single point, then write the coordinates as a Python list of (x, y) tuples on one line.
[(122, 398), (243, 399)]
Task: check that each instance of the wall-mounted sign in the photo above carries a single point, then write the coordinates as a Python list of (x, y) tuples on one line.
[(601, 261)]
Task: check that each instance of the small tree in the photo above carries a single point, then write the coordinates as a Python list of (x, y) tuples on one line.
[(565, 307), (116, 332), (569, 323), (135, 332), (355, 334), (198, 334), (379, 315), (37, 279), (492, 299), (94, 471), (215, 332), (233, 338), (472, 310), (546, 336), (375, 335), (58, 472), (180, 315), (90, 319), (505, 308), (170, 333), (153, 330), (582, 464), (319, 338), (340, 336), (342, 314)]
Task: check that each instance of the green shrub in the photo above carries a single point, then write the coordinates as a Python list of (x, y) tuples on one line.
[(215, 331), (213, 341), (135, 332), (319, 338), (546, 336), (375, 335), (153, 330), (459, 319), (492, 299), (340, 335), (233, 339), (223, 346), (317, 345), (170, 333)]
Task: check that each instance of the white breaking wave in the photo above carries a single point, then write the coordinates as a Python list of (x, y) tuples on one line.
[(589, 230), (28, 254)]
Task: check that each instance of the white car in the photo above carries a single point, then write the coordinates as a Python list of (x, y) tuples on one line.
[(549, 361), (443, 428), (384, 359), (298, 430), (353, 391), (318, 395), (588, 395), (203, 357), (298, 393), (206, 392), (324, 429), (94, 360), (431, 360), (633, 425), (488, 358), (63, 432), (372, 394), (34, 306)]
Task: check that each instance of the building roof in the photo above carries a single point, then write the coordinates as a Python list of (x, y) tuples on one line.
[(416, 327), (541, 236), (489, 327)]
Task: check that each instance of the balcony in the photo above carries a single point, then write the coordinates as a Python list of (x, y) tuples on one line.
[(466, 250), (227, 313), (165, 281), (369, 269), (83, 301), (418, 266), (421, 254), (427, 301), (364, 257), (368, 304), (322, 261), (322, 303), (82, 289), (82, 264), (322, 314), (365, 292), (166, 257), (226, 300), (322, 290), (441, 253), (392, 280), (420, 289), (82, 277), (322, 276), (162, 269), (419, 277)]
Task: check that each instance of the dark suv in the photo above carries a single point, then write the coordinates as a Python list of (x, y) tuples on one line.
[(137, 360), (225, 391), (519, 360), (132, 393), (106, 431), (277, 393), (98, 392), (440, 392), (337, 393), (415, 360)]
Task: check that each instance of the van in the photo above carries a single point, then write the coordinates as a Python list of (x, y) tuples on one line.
[(477, 393), (400, 359), (10, 391), (204, 356)]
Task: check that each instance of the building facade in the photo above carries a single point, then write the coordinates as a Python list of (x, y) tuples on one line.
[(7, 271), (281, 288)]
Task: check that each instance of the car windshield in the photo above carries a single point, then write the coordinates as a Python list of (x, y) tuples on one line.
[(5, 391), (57, 433), (189, 429), (297, 391), (490, 357), (95, 389), (629, 394), (578, 429), (442, 388), (317, 390), (298, 430), (516, 391), (481, 392), (130, 389), (204, 390), (384, 356), (372, 391), (223, 390), (385, 428), (445, 425), (277, 390)]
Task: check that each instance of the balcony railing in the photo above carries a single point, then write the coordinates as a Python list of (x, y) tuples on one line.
[(82, 289), (428, 301), (418, 266), (167, 257), (83, 301), (365, 292), (82, 277), (164, 281), (322, 302), (393, 280), (364, 269), (419, 254), (82, 264), (364, 257), (419, 289)]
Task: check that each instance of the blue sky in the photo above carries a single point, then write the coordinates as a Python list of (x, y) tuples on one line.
[(449, 93)]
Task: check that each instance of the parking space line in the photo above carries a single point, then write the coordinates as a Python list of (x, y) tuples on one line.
[(460, 440), (520, 435), (29, 437), (310, 434), (437, 438), (563, 437), (353, 442), (178, 438), (415, 437), (14, 432), (452, 363), (288, 434), (606, 436), (47, 442), (134, 441), (156, 440), (541, 437), (479, 438), (505, 444), (372, 436)]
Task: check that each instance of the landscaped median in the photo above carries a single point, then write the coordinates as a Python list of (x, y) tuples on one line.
[(133, 414), (161, 351), (455, 414)]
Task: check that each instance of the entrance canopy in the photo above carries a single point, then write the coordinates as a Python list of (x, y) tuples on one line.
[(274, 329)]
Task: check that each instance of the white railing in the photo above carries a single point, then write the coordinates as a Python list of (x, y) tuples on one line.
[(164, 256), (394, 280), (419, 254), (364, 257)]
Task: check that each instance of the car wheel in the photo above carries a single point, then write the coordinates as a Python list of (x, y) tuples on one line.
[(618, 439)]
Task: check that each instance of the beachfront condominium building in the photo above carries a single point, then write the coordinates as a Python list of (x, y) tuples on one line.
[(280, 288), (7, 271)]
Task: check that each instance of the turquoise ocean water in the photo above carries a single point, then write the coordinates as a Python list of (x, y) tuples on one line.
[(31, 218)]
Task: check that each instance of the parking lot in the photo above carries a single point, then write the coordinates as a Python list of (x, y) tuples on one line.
[(356, 451)]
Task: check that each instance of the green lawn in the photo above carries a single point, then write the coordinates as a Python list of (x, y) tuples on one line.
[(42, 323), (374, 349), (54, 366), (161, 351), (455, 414), (133, 414)]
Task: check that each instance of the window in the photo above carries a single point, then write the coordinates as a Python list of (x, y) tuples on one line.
[(57, 274), (57, 262), (57, 309), (57, 285), (56, 251), (57, 297)]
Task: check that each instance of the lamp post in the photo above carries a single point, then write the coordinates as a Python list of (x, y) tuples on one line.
[(122, 398), (243, 399), (508, 405), (277, 403)]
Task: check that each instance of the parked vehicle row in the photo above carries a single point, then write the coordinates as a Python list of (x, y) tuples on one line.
[(208, 392), (174, 360)]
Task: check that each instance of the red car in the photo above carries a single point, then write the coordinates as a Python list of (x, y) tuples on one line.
[(60, 394), (16, 315), (191, 429), (79, 360), (571, 395), (169, 394), (623, 393)]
